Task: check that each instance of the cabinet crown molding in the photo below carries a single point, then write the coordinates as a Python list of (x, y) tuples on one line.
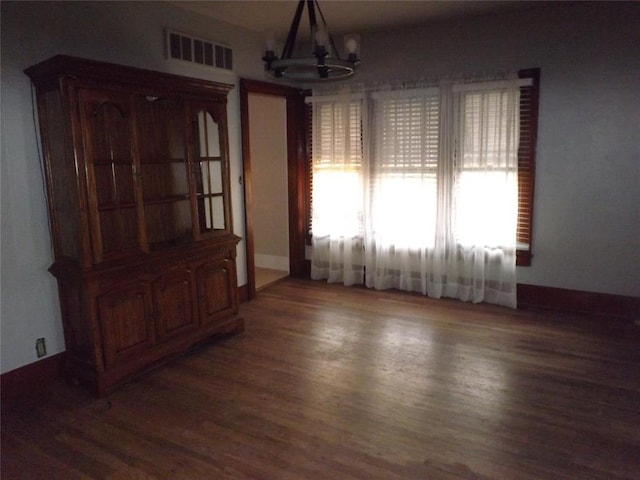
[(46, 73)]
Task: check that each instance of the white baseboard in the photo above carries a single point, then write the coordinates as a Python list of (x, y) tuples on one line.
[(272, 261)]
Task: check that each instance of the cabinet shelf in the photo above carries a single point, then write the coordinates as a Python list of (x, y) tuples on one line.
[(167, 199), (109, 207), (179, 161), (201, 195), (106, 207), (126, 162)]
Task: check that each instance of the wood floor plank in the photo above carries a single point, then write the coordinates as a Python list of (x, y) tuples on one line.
[(329, 382)]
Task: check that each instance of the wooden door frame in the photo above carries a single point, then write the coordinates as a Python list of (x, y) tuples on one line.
[(297, 172)]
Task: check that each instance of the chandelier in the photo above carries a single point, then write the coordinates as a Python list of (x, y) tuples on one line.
[(324, 62)]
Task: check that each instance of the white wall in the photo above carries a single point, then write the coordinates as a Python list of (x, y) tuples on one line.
[(587, 205), (586, 229), (128, 33)]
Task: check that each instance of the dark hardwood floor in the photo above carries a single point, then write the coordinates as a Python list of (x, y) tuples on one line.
[(330, 382)]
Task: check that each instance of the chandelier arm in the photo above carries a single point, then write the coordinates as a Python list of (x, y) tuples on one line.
[(324, 22), (333, 45), (287, 52), (312, 17)]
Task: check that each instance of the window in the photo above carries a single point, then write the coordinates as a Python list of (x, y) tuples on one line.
[(486, 167), (337, 167), (409, 173), (405, 136)]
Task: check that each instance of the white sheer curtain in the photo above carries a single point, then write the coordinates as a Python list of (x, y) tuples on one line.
[(486, 191), (337, 201), (434, 199), (401, 214)]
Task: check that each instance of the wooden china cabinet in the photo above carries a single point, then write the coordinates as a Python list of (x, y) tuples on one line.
[(137, 172)]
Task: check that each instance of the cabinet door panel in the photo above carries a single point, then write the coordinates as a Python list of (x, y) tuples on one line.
[(216, 291), (173, 296), (126, 322), (113, 194), (124, 221), (210, 168), (164, 171)]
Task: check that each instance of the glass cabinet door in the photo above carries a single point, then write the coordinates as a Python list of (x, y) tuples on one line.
[(111, 174), (164, 171), (211, 173)]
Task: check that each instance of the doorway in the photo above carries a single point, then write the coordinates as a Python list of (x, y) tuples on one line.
[(275, 169), (268, 149)]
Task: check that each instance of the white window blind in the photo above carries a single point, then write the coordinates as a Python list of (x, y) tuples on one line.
[(404, 167), (486, 173), (337, 168)]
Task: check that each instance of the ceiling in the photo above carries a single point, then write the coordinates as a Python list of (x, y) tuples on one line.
[(347, 16)]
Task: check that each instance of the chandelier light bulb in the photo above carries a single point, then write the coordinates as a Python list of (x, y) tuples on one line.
[(322, 37), (270, 42), (351, 45)]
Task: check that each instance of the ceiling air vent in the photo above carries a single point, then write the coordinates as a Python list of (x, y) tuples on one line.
[(197, 50)]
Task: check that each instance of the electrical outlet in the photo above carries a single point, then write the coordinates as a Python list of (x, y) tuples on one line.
[(41, 347)]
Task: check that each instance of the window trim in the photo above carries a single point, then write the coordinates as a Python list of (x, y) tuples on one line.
[(529, 97)]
